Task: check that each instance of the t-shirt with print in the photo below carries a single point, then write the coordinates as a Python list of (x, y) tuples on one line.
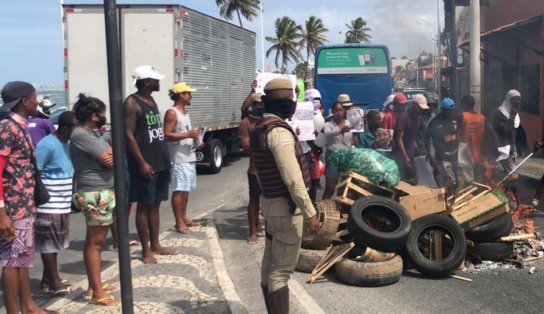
[(85, 147), (443, 132), (182, 151), (56, 171), (247, 125), (19, 171), (409, 125), (366, 140)]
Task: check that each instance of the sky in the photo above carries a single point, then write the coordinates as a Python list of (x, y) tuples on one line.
[(31, 46)]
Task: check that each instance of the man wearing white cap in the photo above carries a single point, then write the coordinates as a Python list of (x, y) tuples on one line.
[(148, 160)]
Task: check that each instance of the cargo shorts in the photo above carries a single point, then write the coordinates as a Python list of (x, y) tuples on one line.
[(284, 234)]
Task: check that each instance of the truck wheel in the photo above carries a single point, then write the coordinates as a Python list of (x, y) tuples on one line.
[(215, 154), (499, 227), (492, 251), (308, 259), (418, 246), (329, 217), (369, 274), (379, 223)]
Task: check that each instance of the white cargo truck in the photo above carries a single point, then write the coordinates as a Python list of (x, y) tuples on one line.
[(214, 56)]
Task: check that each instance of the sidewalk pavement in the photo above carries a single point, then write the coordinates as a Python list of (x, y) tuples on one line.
[(532, 168), (193, 281)]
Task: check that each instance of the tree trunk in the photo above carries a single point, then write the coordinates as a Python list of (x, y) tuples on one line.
[(239, 17), (307, 63)]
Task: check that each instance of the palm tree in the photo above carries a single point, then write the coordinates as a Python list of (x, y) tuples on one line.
[(245, 8), (312, 36), (357, 31), (286, 42)]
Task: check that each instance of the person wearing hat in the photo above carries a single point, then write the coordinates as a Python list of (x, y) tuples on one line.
[(393, 110), (181, 138), (17, 207), (248, 100), (247, 126), (406, 128), (444, 131), (284, 177), (148, 159)]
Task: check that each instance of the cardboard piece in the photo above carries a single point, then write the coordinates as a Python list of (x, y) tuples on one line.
[(481, 209)]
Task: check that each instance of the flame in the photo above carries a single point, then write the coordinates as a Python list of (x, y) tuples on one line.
[(530, 226)]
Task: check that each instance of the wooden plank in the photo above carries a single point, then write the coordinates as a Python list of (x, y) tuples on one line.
[(518, 237), (358, 189), (331, 258), (342, 233), (346, 189), (475, 198), (346, 201), (461, 278), (487, 187), (465, 194), (437, 244), (365, 180)]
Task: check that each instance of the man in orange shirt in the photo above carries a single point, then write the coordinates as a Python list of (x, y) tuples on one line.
[(472, 132)]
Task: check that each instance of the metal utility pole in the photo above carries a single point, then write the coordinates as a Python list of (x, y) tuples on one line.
[(118, 128), (439, 52), (475, 80), (262, 38)]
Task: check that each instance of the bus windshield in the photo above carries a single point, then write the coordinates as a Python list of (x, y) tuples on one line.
[(361, 71)]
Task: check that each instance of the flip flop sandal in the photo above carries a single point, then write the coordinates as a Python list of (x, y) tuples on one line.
[(61, 292), (134, 243), (105, 286), (182, 230), (45, 286), (105, 301)]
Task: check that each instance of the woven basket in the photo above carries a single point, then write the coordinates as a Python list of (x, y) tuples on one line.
[(329, 217)]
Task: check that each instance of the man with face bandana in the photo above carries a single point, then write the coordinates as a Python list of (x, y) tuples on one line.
[(284, 178)]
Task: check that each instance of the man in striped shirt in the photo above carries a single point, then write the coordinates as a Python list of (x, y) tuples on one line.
[(52, 220)]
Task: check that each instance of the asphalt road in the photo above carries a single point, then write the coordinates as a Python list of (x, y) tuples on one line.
[(223, 197)]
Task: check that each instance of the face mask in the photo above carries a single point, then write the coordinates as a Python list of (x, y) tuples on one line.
[(259, 111), (283, 108), (101, 122), (317, 104)]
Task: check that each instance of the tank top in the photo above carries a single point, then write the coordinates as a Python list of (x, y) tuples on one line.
[(183, 150), (150, 138)]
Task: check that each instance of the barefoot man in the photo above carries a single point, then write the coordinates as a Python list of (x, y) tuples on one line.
[(148, 160)]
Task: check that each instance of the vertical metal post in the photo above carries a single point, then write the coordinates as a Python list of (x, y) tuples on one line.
[(439, 52), (118, 138), (475, 79), (262, 38)]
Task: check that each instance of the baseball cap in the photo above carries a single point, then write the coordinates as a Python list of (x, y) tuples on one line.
[(447, 103), (144, 72), (344, 100), (420, 100), (13, 92), (182, 87), (278, 84), (312, 93), (388, 100), (400, 98)]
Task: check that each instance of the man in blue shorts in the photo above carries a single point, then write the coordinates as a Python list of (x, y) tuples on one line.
[(183, 142)]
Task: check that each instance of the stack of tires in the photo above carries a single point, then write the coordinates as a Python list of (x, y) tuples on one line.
[(313, 246), (376, 224), (485, 237)]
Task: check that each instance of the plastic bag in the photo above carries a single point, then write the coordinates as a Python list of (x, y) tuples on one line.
[(367, 162)]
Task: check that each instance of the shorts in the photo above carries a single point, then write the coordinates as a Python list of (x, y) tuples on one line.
[(52, 231), (254, 186), (97, 206), (20, 251), (183, 176), (152, 191)]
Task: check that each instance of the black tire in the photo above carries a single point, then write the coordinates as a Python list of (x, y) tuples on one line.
[(499, 227), (215, 156), (329, 217), (454, 247), (391, 235), (308, 260), (492, 251), (369, 274)]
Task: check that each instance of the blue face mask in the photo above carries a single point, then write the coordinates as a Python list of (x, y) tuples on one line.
[(259, 111)]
